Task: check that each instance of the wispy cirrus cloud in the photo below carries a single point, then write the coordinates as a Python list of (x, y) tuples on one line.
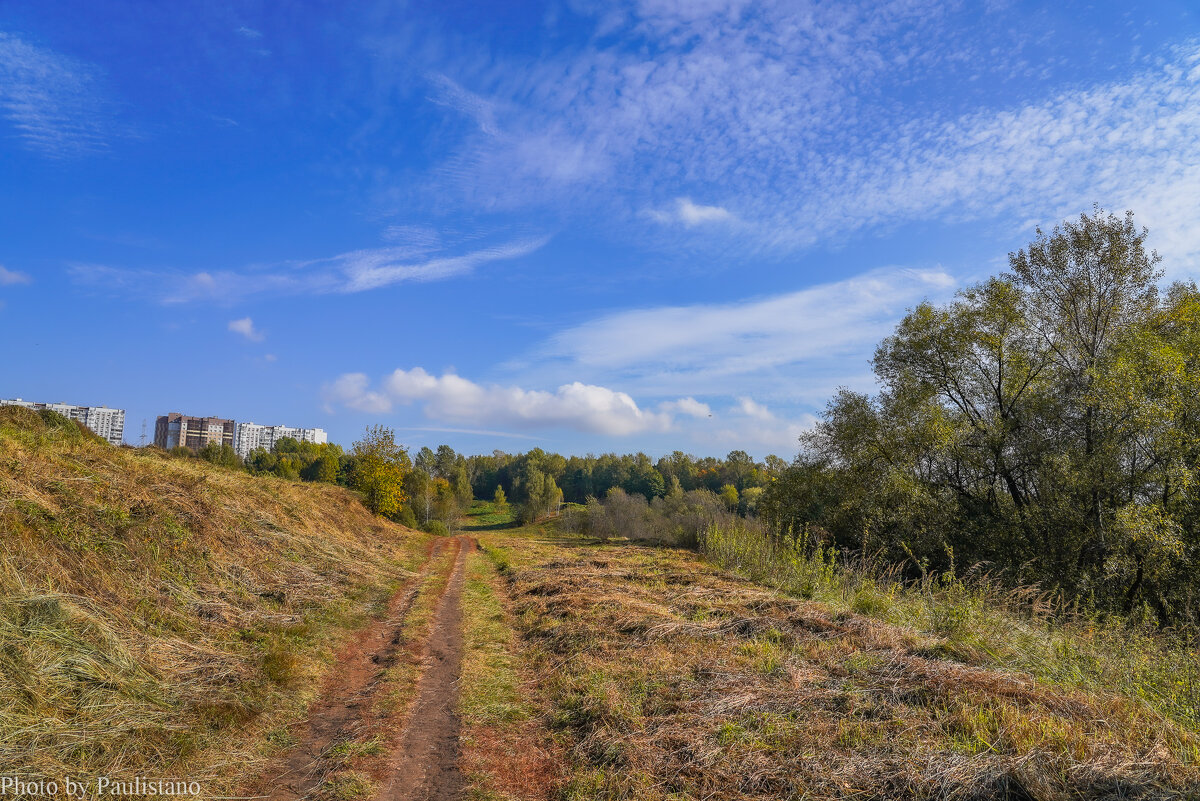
[(372, 269), (787, 112), (356, 271), (13, 277), (797, 346), (53, 102), (480, 109)]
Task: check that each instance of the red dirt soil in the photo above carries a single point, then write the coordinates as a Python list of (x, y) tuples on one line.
[(338, 713), (425, 766)]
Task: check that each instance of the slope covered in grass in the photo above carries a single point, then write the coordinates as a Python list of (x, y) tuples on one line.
[(666, 677), (164, 617)]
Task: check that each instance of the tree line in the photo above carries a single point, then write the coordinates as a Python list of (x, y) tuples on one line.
[(537, 481), (429, 486)]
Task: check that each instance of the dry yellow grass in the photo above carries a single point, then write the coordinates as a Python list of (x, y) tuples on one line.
[(668, 679), (163, 617)]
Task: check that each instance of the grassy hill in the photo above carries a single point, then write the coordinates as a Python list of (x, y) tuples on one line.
[(164, 617)]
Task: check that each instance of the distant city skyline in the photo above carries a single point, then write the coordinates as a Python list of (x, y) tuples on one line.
[(631, 226)]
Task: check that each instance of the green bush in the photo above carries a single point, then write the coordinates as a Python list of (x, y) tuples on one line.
[(405, 517), (437, 528)]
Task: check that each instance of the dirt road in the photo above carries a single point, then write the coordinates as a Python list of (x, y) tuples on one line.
[(420, 762), (426, 764)]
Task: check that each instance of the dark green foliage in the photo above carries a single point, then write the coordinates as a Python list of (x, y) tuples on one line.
[(405, 517), (290, 459), (326, 467), (437, 528), (218, 454), (1047, 423), (583, 477)]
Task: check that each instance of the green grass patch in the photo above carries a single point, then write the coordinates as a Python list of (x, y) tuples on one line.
[(486, 516)]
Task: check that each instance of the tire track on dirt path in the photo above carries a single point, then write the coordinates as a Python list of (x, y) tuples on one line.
[(425, 765), (345, 700)]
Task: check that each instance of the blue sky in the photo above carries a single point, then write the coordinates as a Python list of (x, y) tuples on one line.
[(584, 226)]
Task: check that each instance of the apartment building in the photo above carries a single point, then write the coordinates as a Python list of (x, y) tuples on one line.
[(174, 429), (252, 435), (108, 423)]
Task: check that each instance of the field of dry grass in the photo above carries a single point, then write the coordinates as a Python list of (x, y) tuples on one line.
[(164, 617), (662, 677)]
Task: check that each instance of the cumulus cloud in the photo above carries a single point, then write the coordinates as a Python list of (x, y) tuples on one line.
[(687, 406), (750, 424), (587, 408), (449, 397), (11, 277), (245, 327), (749, 408), (353, 390)]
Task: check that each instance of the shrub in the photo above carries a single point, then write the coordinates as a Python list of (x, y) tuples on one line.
[(678, 519), (405, 517), (437, 528)]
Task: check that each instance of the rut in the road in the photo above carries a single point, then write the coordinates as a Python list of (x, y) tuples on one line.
[(338, 713), (425, 765)]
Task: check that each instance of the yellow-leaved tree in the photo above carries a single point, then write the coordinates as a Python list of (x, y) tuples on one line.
[(379, 468)]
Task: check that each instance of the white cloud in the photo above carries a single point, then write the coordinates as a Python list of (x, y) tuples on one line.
[(54, 102), (691, 214), (752, 425), (576, 406), (481, 110), (245, 327), (249, 33), (687, 406), (789, 112), (796, 346), (749, 408), (479, 432), (356, 271), (353, 391), (11, 277), (372, 269)]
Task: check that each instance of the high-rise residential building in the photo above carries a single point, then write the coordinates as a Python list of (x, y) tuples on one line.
[(108, 423), (252, 435), (174, 429)]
